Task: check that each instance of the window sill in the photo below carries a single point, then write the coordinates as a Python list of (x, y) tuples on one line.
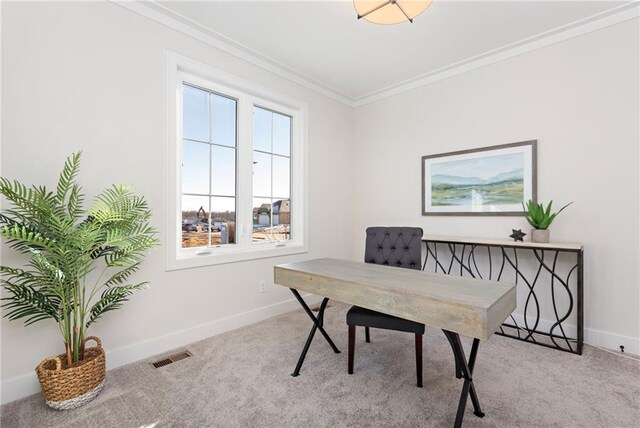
[(219, 256)]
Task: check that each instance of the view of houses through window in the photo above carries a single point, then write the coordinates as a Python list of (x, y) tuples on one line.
[(208, 168), (271, 175), (209, 161)]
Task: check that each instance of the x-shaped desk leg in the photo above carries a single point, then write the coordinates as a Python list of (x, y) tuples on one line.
[(317, 325), (464, 370)]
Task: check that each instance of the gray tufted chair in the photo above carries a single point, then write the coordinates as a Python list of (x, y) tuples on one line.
[(398, 247)]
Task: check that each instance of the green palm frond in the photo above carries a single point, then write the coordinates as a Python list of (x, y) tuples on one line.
[(112, 298), (23, 239), (34, 208), (117, 206), (137, 237), (67, 177), (18, 194), (74, 204), (123, 275), (28, 297), (5, 220)]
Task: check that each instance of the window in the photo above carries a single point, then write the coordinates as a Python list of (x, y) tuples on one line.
[(236, 182)]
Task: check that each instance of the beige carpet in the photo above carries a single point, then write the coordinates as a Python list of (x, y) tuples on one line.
[(242, 379)]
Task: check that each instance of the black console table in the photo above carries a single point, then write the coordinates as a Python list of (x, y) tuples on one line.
[(552, 273)]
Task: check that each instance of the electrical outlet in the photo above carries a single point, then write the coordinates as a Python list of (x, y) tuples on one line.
[(263, 285)]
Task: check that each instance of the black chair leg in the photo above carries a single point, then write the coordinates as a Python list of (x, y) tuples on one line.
[(366, 335), (352, 346), (419, 359)]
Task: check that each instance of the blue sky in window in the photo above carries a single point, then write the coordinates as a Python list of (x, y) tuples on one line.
[(210, 169), (195, 114)]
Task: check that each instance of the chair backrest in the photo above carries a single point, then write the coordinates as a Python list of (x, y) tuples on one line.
[(394, 246)]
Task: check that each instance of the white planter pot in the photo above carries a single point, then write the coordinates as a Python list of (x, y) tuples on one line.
[(540, 236)]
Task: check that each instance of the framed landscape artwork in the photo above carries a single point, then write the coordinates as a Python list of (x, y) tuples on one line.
[(494, 180)]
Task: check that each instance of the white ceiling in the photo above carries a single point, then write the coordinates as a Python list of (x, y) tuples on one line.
[(324, 42)]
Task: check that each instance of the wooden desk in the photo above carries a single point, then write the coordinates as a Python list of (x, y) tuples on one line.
[(470, 307)]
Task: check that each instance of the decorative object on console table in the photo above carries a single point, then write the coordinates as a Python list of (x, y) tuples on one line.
[(551, 276), (540, 219), (494, 180), (517, 235), (540, 236), (64, 244)]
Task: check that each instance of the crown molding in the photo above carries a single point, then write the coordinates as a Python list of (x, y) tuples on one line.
[(596, 22), (161, 14)]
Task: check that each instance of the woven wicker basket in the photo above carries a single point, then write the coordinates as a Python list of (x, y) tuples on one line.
[(67, 387)]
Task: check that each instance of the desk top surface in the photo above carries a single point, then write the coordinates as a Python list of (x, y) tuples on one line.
[(467, 306)]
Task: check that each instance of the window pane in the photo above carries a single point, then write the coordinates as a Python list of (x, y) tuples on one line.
[(281, 134), (281, 219), (195, 167), (261, 129), (261, 174), (261, 219), (223, 171), (195, 217), (224, 121), (271, 175), (195, 114), (223, 221), (281, 183)]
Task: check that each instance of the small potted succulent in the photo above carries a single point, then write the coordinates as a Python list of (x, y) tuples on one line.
[(540, 218), (78, 265)]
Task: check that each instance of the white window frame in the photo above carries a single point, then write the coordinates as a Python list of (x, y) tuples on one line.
[(183, 69)]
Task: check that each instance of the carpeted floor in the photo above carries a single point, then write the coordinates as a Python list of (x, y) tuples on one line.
[(242, 379)]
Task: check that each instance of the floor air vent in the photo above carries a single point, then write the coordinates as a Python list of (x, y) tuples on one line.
[(171, 359)]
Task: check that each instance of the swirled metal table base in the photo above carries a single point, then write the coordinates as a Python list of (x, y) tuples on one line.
[(459, 257)]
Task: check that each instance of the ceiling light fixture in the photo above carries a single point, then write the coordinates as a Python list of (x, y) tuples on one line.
[(390, 11)]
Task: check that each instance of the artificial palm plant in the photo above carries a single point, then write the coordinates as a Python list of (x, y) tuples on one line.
[(80, 261)]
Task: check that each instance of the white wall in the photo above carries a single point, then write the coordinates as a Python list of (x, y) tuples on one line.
[(92, 76), (579, 99)]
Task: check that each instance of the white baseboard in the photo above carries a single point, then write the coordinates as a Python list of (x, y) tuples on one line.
[(27, 384), (602, 339)]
